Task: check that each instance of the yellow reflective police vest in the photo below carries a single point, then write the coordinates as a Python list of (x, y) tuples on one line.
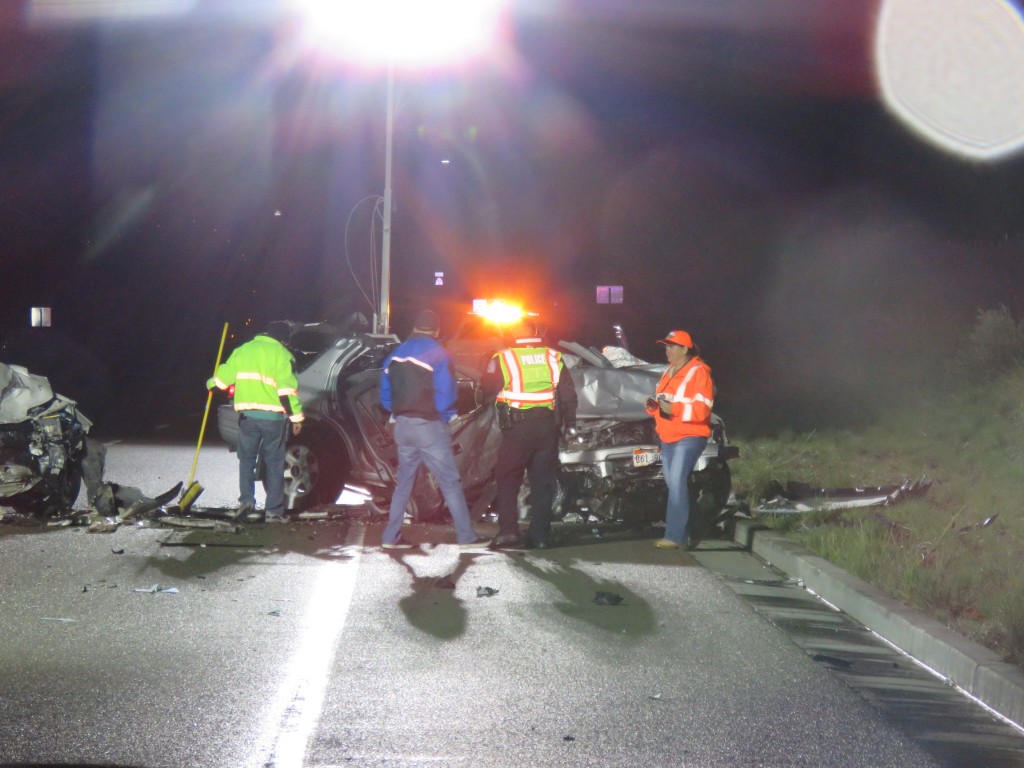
[(531, 376)]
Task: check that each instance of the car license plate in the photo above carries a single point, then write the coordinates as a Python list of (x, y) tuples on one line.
[(644, 458)]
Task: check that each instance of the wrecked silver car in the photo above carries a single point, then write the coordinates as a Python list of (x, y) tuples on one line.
[(610, 466), (43, 444)]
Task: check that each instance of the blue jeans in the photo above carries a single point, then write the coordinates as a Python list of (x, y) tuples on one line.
[(266, 437), (677, 461), (427, 441)]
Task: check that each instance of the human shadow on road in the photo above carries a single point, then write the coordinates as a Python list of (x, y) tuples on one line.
[(432, 605), (591, 601), (212, 551)]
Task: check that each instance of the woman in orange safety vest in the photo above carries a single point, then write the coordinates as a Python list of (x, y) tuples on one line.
[(681, 408)]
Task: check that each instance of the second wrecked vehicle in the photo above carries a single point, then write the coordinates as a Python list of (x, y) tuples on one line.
[(610, 468), (44, 448)]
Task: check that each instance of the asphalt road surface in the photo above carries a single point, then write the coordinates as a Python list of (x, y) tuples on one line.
[(308, 645)]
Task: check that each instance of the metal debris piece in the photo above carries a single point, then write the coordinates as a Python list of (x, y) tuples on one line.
[(275, 612), (980, 524), (219, 526), (118, 551), (568, 738), (486, 592), (788, 582), (607, 598), (59, 619), (157, 588), (798, 497)]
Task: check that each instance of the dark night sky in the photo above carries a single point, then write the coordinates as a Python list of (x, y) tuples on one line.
[(734, 172)]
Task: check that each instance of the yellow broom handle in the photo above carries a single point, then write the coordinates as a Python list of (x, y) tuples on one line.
[(206, 411)]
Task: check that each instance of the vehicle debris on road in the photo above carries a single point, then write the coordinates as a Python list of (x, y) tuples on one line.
[(799, 498), (156, 588)]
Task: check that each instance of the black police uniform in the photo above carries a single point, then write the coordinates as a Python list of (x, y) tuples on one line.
[(529, 443)]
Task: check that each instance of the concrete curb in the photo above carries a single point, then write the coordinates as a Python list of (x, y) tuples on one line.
[(972, 667)]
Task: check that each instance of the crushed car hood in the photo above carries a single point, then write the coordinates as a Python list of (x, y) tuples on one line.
[(608, 392), (21, 392)]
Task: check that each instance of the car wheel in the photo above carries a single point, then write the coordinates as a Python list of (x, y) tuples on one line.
[(709, 495), (315, 471), (53, 497)]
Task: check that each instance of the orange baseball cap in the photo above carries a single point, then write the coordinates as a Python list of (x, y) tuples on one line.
[(679, 338)]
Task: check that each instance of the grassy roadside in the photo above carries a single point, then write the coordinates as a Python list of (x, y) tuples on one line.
[(935, 552)]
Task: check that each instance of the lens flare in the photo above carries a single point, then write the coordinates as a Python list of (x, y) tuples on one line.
[(954, 72)]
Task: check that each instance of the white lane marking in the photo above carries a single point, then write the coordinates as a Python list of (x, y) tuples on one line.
[(300, 697)]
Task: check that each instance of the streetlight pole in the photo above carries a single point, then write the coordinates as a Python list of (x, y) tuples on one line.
[(384, 317)]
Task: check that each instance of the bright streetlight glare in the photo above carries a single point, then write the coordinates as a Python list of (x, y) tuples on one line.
[(952, 71), (404, 33)]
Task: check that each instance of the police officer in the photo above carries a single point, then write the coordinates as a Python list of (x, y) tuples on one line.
[(535, 399)]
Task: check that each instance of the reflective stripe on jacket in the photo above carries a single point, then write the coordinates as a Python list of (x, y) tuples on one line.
[(692, 393), (418, 380), (263, 371), (531, 377)]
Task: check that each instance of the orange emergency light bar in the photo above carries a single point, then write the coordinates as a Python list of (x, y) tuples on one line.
[(498, 312)]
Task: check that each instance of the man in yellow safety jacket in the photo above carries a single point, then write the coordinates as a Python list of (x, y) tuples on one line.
[(535, 399), (266, 394)]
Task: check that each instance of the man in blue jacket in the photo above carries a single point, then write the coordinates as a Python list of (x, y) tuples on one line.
[(418, 389)]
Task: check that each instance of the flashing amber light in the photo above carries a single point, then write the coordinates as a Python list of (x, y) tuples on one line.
[(499, 312)]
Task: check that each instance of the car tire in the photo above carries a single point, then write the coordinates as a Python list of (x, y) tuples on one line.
[(53, 497), (315, 471)]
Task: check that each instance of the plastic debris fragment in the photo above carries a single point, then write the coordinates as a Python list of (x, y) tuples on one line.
[(486, 592), (607, 598)]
